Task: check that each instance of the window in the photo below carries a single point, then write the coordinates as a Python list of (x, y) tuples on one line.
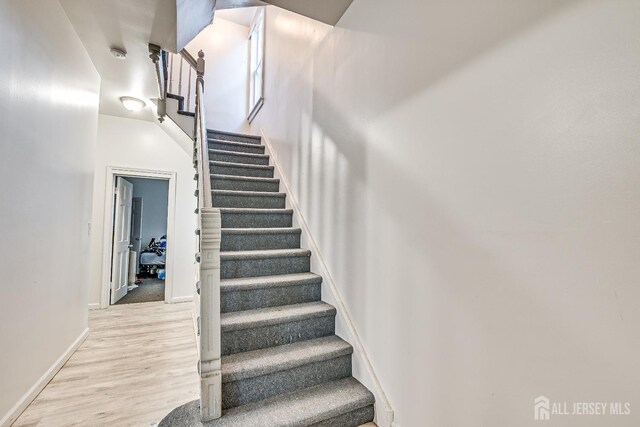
[(256, 65)]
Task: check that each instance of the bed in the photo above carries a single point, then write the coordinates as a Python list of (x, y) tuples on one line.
[(152, 258), (154, 255)]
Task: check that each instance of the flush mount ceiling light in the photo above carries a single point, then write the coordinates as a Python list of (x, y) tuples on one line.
[(131, 103), (118, 53)]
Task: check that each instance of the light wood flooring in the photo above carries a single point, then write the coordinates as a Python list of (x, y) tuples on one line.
[(137, 364)]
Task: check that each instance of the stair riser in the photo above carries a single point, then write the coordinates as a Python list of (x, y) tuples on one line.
[(241, 392), (240, 171), (249, 160), (355, 418), (241, 185), (269, 297), (256, 149), (256, 202), (258, 241), (238, 341), (236, 268), (237, 138), (250, 220)]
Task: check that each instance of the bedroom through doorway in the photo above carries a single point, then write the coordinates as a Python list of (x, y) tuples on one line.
[(139, 240)]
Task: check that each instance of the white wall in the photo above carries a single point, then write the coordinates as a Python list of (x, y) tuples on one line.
[(225, 45), (143, 145), (48, 118), (470, 172), (154, 194)]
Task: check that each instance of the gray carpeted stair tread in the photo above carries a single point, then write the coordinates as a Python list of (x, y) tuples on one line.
[(256, 363), (238, 157), (251, 293), (241, 165), (240, 169), (241, 320), (244, 178), (248, 199), (244, 183), (340, 403), (264, 254), (256, 218), (260, 282), (236, 146), (239, 239), (233, 136), (305, 407), (239, 154), (248, 193), (254, 210), (260, 374), (280, 230)]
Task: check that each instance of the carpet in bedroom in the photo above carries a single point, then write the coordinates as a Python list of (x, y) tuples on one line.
[(149, 291)]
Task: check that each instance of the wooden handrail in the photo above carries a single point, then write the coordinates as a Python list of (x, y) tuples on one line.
[(190, 59), (201, 129)]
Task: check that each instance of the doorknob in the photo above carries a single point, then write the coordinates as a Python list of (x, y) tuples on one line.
[(130, 246)]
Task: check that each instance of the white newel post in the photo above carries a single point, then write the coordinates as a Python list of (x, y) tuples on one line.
[(209, 322), (207, 298)]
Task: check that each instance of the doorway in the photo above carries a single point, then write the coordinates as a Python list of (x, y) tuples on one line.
[(138, 230)]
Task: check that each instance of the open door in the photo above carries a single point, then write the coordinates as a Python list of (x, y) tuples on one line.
[(136, 226), (121, 239)]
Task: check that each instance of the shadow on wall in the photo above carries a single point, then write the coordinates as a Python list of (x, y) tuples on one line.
[(334, 187)]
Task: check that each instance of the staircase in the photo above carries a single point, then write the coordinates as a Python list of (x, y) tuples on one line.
[(282, 364)]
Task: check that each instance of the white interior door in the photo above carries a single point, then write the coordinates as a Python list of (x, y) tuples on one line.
[(121, 239), (136, 227)]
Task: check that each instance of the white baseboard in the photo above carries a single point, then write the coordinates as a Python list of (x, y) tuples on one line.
[(187, 298), (33, 392), (362, 368), (94, 306)]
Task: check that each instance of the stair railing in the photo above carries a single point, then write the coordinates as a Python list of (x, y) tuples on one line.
[(207, 295), (208, 288)]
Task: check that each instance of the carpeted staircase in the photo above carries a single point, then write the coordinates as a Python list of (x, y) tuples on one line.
[(282, 363)]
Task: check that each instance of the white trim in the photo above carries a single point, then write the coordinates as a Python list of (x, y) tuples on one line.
[(363, 369), (187, 298), (112, 172), (42, 382), (94, 306)]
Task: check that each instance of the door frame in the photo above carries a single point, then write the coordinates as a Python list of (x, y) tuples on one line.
[(123, 171)]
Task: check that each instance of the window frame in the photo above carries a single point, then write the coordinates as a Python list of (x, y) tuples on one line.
[(256, 68)]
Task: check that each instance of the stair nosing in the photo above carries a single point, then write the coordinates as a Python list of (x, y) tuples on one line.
[(259, 211), (262, 230), (240, 165), (239, 143), (263, 282), (239, 153), (241, 320), (242, 135), (264, 254), (243, 193), (305, 398), (244, 178), (270, 360)]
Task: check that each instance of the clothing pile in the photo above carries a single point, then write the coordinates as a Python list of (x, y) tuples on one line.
[(157, 247)]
